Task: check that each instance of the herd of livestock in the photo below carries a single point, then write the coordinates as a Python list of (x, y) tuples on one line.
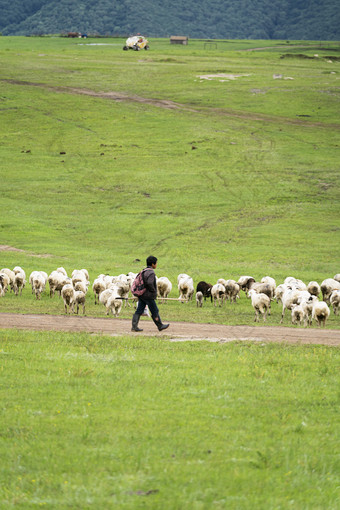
[(302, 300)]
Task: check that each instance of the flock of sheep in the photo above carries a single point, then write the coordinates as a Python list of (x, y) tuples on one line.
[(112, 291)]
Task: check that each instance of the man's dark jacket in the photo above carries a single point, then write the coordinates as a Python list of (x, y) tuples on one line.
[(149, 278)]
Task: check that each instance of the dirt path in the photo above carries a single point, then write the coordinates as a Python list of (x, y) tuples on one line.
[(178, 331)]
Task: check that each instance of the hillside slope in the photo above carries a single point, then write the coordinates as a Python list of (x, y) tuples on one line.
[(226, 19)]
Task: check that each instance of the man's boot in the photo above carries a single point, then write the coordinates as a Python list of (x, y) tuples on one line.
[(159, 323), (135, 320)]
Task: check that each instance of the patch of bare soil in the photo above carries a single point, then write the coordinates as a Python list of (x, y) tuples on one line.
[(177, 332), (5, 247)]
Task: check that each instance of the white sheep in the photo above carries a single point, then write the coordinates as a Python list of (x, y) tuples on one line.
[(79, 300), (185, 288), (68, 295), (244, 282), (98, 286), (299, 314), (10, 275), (335, 301), (218, 293), (307, 305), (320, 312), (314, 288), (114, 302), (260, 303), (279, 291), (270, 280), (104, 297), (327, 287), (123, 289), (5, 282), (57, 280), (19, 281), (232, 290), (295, 283), (82, 286), (38, 282), (199, 299), (289, 298), (337, 277), (164, 287), (62, 270)]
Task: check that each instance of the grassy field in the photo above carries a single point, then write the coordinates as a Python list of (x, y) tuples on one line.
[(96, 422), (221, 160)]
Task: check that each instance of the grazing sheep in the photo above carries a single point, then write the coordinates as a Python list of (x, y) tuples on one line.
[(123, 289), (295, 283), (62, 270), (314, 288), (82, 286), (185, 288), (57, 280), (320, 312), (19, 281), (262, 288), (337, 277), (218, 293), (327, 288), (2, 290), (10, 275), (298, 314), (279, 291), (164, 287), (244, 282), (199, 299), (232, 290), (270, 280), (205, 288), (335, 301), (38, 282), (289, 298), (78, 275), (5, 282), (307, 305), (114, 302), (260, 303), (104, 297), (79, 299), (98, 286), (68, 295)]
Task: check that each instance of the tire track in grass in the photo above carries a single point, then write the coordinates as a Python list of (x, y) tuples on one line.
[(172, 105)]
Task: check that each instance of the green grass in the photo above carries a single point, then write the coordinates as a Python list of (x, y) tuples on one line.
[(91, 421)]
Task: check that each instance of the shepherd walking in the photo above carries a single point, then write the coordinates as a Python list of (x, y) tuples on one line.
[(147, 296)]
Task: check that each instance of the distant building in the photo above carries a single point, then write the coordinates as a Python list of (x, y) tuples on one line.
[(179, 39)]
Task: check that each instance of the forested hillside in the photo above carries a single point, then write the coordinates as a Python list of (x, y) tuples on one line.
[(220, 19)]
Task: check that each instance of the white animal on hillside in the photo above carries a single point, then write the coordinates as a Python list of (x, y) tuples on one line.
[(79, 300), (5, 282), (57, 280), (10, 275), (164, 287), (62, 270), (279, 291), (114, 302), (314, 288), (104, 297), (260, 303), (98, 286), (185, 288), (295, 283), (335, 301), (289, 298), (298, 314), (307, 305), (19, 281), (320, 312), (199, 299), (68, 295), (337, 277), (327, 288), (244, 282), (38, 281), (270, 280), (218, 293), (82, 286), (232, 290)]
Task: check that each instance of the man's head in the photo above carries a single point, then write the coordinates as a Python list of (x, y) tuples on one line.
[(151, 260)]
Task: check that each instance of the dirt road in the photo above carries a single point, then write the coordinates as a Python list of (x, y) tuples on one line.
[(178, 331)]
